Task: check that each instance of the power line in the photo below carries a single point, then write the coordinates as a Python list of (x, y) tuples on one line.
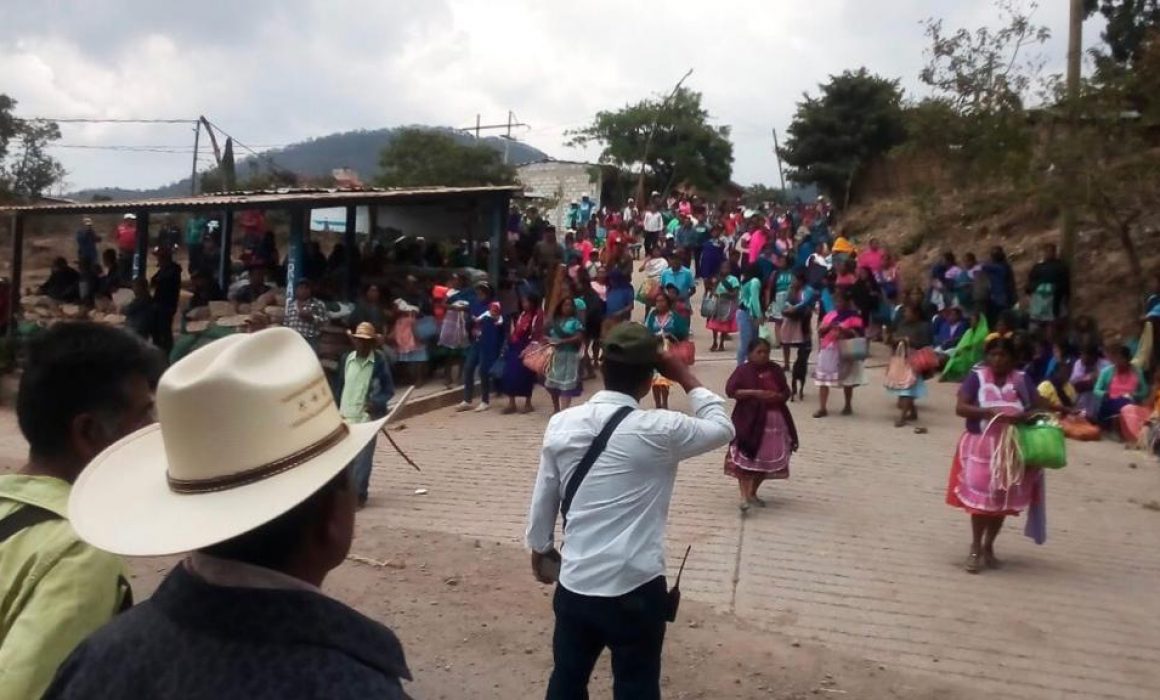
[(127, 147), (93, 120)]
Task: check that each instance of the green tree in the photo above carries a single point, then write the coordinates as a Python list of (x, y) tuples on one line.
[(757, 194), (684, 148), (26, 169), (981, 79), (856, 118), (1111, 147), (429, 157), (1131, 24)]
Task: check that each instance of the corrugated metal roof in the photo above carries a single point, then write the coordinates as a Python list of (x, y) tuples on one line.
[(274, 199)]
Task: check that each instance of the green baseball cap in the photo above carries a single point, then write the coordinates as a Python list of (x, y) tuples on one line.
[(632, 344)]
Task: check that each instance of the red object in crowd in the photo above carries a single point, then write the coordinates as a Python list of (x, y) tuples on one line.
[(253, 220), (439, 295), (127, 236)]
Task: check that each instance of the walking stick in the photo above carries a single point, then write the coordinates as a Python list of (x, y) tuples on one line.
[(383, 429)]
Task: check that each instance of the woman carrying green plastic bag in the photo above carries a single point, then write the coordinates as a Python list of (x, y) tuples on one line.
[(968, 353)]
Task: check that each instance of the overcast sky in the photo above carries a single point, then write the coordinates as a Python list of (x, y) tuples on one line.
[(273, 72)]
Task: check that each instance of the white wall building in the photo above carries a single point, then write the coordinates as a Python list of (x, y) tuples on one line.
[(560, 181)]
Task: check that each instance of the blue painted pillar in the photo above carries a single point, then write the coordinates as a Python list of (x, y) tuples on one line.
[(298, 223), (141, 254)]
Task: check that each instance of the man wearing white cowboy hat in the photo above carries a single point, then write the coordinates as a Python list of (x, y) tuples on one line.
[(363, 387), (248, 470)]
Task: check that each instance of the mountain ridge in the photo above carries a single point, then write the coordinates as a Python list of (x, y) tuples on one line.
[(316, 157)]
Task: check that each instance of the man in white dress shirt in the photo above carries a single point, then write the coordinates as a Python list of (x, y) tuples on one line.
[(612, 590)]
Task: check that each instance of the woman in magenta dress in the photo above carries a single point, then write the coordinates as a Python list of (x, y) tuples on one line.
[(994, 397), (765, 432)]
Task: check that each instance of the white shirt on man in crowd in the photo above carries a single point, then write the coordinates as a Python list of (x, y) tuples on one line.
[(616, 525), (653, 222)]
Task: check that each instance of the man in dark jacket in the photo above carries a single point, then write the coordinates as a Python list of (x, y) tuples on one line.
[(260, 492), (166, 288)]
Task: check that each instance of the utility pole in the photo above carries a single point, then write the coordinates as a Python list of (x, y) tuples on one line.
[(652, 132), (477, 127), (508, 139), (1074, 54), (777, 152), (196, 143)]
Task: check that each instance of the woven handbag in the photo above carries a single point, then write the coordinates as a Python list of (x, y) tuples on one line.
[(853, 349), (900, 375), (537, 357), (1042, 444)]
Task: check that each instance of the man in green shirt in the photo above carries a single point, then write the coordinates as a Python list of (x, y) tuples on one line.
[(85, 386), (363, 388)]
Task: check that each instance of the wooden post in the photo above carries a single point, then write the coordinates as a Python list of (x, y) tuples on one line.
[(298, 224), (225, 255), (1071, 167), (350, 242), (141, 254), (17, 273)]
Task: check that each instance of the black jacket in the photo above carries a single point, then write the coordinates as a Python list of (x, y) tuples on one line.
[(196, 640)]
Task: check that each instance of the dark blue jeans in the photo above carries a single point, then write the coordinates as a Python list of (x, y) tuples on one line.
[(475, 361), (362, 463), (632, 626)]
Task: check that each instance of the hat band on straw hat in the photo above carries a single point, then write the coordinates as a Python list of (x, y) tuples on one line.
[(265, 471)]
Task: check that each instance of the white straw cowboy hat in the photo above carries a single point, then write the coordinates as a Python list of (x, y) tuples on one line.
[(247, 430), (364, 331)]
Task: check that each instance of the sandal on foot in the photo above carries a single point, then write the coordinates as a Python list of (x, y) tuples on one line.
[(920, 431), (527, 409), (900, 423), (820, 414), (973, 563), (508, 410), (847, 411), (757, 502), (743, 507)]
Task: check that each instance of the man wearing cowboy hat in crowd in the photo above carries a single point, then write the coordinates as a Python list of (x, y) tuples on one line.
[(363, 387), (248, 470), (84, 387)]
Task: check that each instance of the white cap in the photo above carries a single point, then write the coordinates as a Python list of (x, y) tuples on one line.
[(130, 216)]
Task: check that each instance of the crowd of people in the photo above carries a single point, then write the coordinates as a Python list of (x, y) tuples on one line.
[(266, 519)]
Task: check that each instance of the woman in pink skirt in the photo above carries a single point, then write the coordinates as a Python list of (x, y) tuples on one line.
[(765, 432), (994, 397), (724, 319)]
